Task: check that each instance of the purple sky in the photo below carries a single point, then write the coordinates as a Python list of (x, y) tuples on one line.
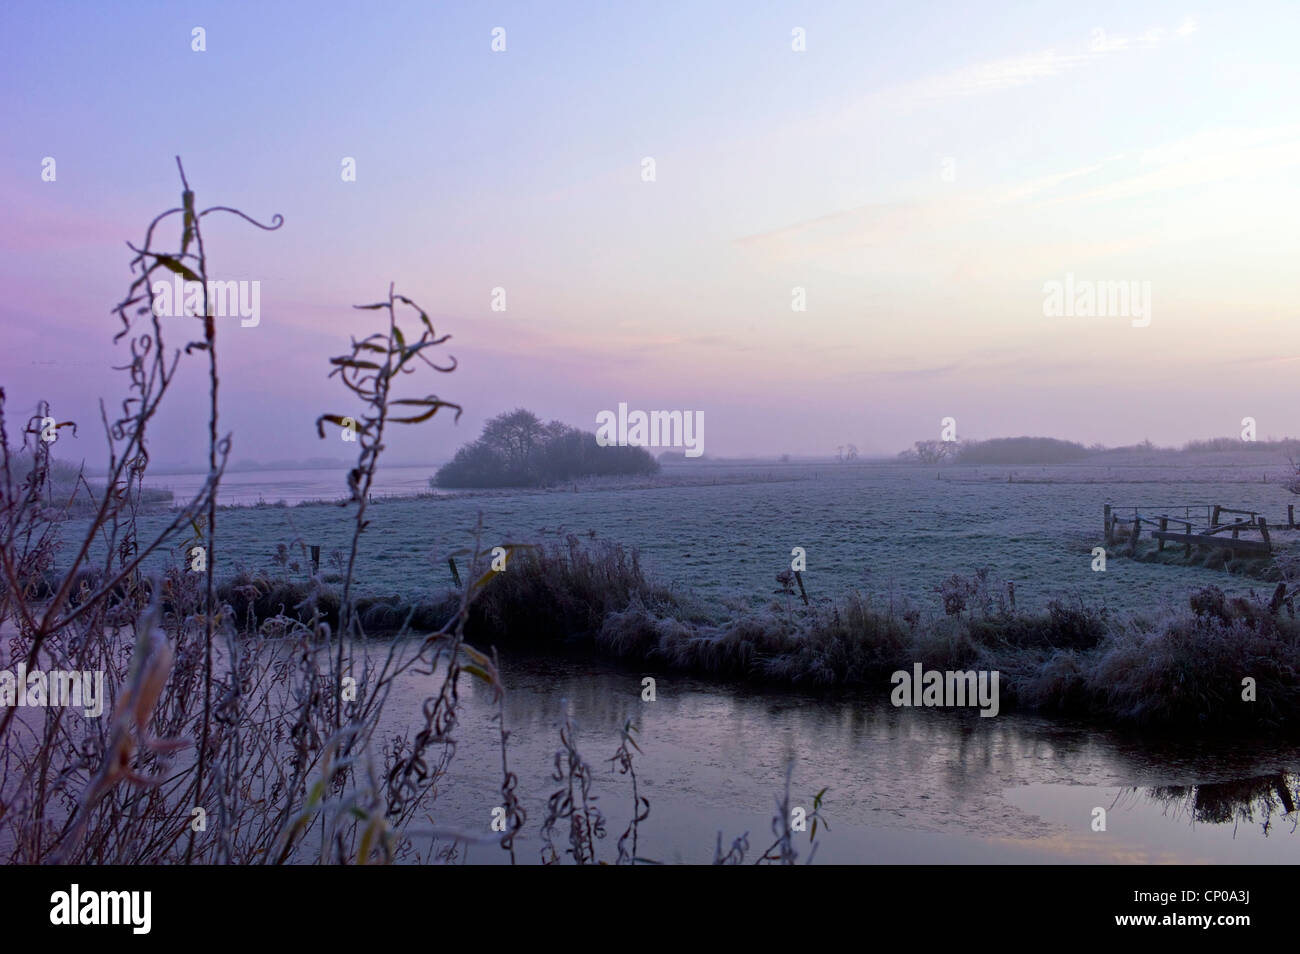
[(921, 174)]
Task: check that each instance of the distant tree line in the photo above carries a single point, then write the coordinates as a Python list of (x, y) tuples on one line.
[(1028, 451), (1022, 451), (517, 450), (1287, 445)]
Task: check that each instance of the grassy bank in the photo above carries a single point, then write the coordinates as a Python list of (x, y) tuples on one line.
[(1178, 669)]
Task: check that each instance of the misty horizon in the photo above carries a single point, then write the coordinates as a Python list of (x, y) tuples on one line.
[(165, 466)]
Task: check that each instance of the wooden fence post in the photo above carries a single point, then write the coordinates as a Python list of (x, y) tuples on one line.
[(315, 559), (802, 592), (1106, 518)]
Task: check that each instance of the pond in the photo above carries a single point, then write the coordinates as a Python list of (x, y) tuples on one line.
[(904, 785)]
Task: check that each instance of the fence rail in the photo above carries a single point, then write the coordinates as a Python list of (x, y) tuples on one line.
[(1213, 532)]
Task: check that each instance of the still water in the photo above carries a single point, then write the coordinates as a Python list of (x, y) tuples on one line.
[(904, 785), (249, 487)]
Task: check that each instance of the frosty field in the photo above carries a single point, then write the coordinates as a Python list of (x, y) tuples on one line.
[(724, 530)]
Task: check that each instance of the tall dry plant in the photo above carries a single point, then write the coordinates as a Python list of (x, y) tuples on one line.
[(235, 750)]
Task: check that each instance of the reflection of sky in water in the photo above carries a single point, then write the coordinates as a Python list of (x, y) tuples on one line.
[(905, 785), (1142, 826), (248, 487)]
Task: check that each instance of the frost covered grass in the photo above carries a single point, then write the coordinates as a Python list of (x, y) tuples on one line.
[(1181, 670), (870, 527)]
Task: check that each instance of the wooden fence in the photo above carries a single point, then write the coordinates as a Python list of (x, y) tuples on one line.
[(1201, 525)]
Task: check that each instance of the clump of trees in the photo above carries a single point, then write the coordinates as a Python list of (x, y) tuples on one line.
[(998, 450), (63, 478), (929, 452), (67, 491), (517, 450), (1020, 450)]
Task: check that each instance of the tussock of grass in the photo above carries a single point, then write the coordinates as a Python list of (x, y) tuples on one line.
[(257, 598), (1209, 558), (562, 592), (1190, 671)]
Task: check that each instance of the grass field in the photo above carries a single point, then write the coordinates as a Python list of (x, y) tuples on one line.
[(881, 529)]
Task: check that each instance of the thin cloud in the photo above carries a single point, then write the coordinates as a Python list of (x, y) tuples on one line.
[(883, 223), (1023, 69), (1192, 171)]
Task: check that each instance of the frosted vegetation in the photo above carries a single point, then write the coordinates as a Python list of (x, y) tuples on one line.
[(1182, 668)]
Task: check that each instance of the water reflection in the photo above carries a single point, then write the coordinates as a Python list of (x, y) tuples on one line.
[(1259, 800), (904, 784)]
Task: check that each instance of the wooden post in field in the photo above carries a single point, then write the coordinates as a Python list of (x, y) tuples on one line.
[(455, 574), (315, 559), (802, 592), (1106, 519), (1133, 540), (1214, 517), (1160, 541), (1263, 530), (1290, 516)]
